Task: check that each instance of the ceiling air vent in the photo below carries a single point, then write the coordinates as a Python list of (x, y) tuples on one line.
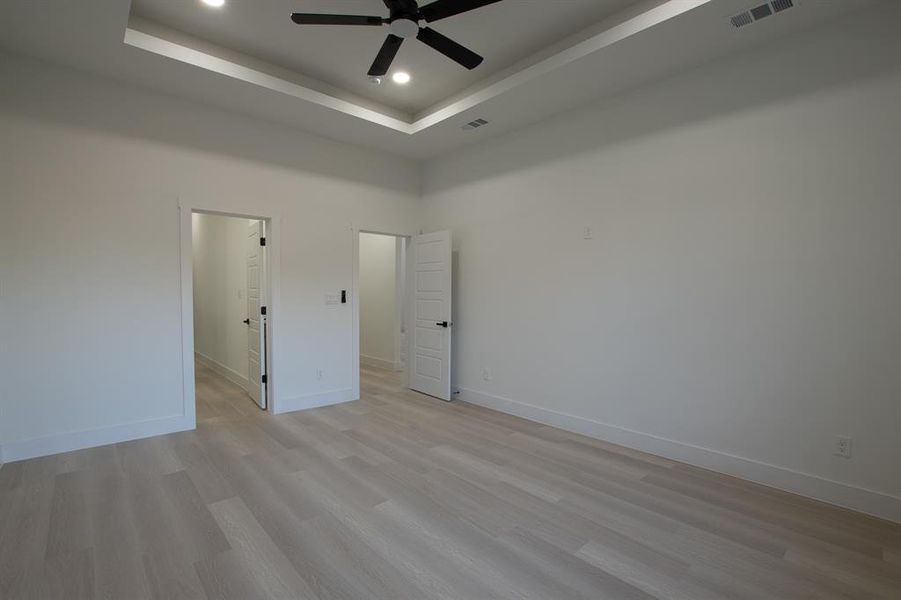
[(780, 5), (761, 12), (742, 19), (475, 124)]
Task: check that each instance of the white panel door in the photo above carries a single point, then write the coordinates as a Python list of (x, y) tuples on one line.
[(256, 322), (430, 360)]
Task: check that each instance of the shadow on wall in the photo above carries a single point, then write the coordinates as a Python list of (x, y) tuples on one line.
[(125, 110), (865, 46)]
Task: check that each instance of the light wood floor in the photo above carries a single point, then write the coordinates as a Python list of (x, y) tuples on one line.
[(400, 496)]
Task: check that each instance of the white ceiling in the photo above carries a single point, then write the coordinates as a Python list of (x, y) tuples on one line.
[(644, 42), (502, 33)]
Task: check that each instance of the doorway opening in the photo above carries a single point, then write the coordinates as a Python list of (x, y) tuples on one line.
[(382, 306), (230, 283), (420, 325)]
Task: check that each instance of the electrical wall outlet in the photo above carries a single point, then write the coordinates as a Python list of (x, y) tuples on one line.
[(318, 373), (486, 375), (842, 446)]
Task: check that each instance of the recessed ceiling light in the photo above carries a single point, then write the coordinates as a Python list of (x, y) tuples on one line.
[(401, 77), (214, 3)]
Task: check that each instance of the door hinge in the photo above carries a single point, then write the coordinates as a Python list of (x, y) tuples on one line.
[(262, 310), (264, 378), (262, 241)]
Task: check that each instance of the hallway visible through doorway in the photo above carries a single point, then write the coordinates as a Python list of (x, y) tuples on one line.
[(229, 281), (382, 301)]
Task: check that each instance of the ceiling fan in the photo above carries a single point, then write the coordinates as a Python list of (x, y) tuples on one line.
[(403, 23)]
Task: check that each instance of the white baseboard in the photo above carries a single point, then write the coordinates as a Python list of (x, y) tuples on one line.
[(284, 405), (78, 440), (864, 500), (380, 363), (221, 369)]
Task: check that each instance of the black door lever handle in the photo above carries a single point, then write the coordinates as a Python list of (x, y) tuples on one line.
[(441, 324), (247, 321)]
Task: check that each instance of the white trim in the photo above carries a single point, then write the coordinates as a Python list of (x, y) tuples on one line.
[(316, 400), (182, 53), (380, 363), (868, 501), (186, 286), (355, 314), (77, 440), (223, 370), (400, 301)]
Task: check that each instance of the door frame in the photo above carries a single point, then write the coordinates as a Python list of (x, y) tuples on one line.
[(272, 288), (355, 304)]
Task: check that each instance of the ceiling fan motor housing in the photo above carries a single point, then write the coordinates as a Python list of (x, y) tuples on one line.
[(404, 28), (403, 23)]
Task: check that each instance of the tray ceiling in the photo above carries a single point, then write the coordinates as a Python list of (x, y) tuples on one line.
[(339, 56)]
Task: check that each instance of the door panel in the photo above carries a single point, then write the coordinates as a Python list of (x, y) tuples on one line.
[(256, 347), (430, 362)]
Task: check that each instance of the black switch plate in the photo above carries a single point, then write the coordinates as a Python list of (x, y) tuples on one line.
[(343, 296)]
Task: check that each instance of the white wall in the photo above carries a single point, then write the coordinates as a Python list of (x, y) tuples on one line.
[(378, 304), (738, 303), (220, 293), (737, 306), (92, 175)]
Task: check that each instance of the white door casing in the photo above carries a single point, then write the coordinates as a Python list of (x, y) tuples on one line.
[(256, 328), (400, 299), (430, 361)]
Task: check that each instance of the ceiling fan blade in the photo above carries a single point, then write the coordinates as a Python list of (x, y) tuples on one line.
[(441, 9), (449, 48), (386, 55), (315, 19), (401, 5)]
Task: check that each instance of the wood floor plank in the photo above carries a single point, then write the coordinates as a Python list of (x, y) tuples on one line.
[(588, 578), (401, 496), (23, 542), (70, 526), (148, 456), (789, 521), (65, 576), (346, 567), (162, 585), (11, 475), (486, 558), (118, 563), (228, 576), (210, 484), (270, 569), (197, 527), (174, 530)]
